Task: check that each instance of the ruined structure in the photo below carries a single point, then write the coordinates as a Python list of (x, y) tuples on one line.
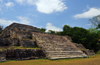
[(56, 47), (86, 51), (51, 46), (2, 56), (18, 35)]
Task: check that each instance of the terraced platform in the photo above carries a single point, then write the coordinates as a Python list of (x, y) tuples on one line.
[(56, 47)]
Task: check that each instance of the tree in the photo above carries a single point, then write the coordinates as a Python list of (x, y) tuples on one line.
[(96, 21), (1, 29), (51, 32), (66, 27), (95, 35), (42, 29), (87, 38), (93, 30)]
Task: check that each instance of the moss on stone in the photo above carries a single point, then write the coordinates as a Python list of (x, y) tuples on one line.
[(17, 47)]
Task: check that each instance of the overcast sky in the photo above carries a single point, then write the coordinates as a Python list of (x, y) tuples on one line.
[(49, 14)]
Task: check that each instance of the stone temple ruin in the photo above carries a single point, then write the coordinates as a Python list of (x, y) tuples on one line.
[(50, 46)]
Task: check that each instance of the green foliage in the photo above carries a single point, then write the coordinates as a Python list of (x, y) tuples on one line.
[(93, 30), (78, 35), (17, 47), (59, 33), (98, 52), (51, 32), (42, 29), (66, 27), (89, 38)]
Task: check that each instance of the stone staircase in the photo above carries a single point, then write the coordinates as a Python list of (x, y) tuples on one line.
[(57, 47)]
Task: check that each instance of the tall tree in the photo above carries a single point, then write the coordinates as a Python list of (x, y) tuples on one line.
[(93, 30), (66, 27), (95, 21), (1, 29)]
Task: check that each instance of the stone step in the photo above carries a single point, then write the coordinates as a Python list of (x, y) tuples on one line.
[(68, 56), (64, 53), (57, 46)]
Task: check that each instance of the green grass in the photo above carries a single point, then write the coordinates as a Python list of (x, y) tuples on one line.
[(76, 61), (17, 47), (20, 47), (9, 61)]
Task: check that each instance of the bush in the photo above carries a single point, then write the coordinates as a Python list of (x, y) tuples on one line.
[(98, 52)]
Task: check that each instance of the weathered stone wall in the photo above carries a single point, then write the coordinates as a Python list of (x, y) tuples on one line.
[(28, 43), (13, 33), (20, 34), (80, 46), (18, 38), (69, 38), (2, 56), (9, 42), (91, 52), (86, 51), (10, 54), (18, 27), (25, 54), (5, 34), (17, 42), (21, 54), (22, 27), (5, 42)]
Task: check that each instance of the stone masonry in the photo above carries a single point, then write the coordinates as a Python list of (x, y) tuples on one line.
[(51, 46), (86, 51), (56, 47)]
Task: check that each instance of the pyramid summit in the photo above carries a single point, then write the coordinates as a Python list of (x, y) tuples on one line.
[(19, 27)]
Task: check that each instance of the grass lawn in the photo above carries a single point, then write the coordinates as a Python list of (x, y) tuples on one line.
[(94, 60), (16, 47)]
